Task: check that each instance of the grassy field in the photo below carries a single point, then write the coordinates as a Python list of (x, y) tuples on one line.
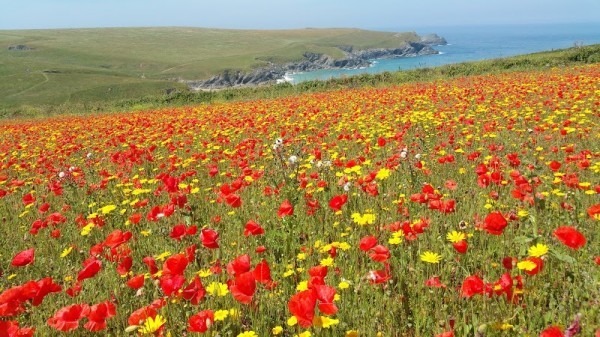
[(82, 66)]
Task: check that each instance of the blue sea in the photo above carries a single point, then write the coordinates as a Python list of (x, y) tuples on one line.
[(471, 43)]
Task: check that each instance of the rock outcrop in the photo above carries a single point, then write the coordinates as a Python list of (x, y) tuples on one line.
[(19, 47), (433, 40), (313, 61)]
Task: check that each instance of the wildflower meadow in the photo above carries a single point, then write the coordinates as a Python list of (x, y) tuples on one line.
[(458, 207)]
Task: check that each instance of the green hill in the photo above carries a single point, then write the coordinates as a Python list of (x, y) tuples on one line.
[(77, 66)]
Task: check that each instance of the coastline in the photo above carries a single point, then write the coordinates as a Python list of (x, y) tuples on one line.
[(280, 73)]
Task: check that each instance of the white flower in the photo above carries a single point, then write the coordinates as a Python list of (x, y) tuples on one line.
[(72, 168), (347, 186), (61, 174), (417, 156), (89, 155), (292, 159), (403, 153)]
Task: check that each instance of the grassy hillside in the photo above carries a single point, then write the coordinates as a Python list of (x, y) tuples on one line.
[(76, 66)]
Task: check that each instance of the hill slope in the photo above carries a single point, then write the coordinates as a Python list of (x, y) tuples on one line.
[(86, 65)]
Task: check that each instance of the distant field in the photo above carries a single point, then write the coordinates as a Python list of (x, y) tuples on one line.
[(87, 65)]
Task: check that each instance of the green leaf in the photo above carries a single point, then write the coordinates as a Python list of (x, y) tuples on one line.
[(563, 257)]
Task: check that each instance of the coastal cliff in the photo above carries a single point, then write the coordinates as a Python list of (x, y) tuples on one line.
[(313, 61)]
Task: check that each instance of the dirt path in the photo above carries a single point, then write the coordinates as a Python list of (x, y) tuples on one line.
[(46, 79)]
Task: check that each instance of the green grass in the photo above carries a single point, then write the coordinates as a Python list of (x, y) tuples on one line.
[(81, 65)]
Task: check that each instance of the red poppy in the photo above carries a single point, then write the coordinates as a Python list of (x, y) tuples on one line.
[(509, 262), (44, 287), (233, 200), (461, 246), (11, 302), (495, 223), (539, 264), (28, 199), (337, 202), (91, 267), (570, 236), (239, 265), (194, 292), (472, 285), (262, 273), (325, 295), (75, 289), (286, 208), (135, 218), (178, 232), (380, 253), (552, 331), (67, 318), (446, 334), (252, 228), (554, 166), (98, 314), (12, 329), (243, 287), (209, 238), (260, 249), (434, 282), (151, 264), (302, 306), (201, 321), (175, 265), (117, 238), (380, 276), (23, 258), (170, 284), (367, 243), (125, 265), (136, 282), (594, 211)]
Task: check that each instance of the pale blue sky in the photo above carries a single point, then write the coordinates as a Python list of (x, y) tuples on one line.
[(262, 14)]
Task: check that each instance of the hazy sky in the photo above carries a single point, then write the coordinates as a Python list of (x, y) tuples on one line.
[(23, 14)]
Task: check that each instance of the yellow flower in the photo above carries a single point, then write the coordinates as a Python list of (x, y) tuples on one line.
[(431, 257), (455, 236), (301, 256), (351, 333), (277, 330), (304, 334), (217, 289), (365, 219), (204, 273), (162, 256), (327, 322), (397, 238), (384, 173), (107, 209), (302, 286), (502, 326), (151, 325), (248, 334), (343, 285), (220, 315), (66, 252), (327, 262), (87, 229), (526, 265), (292, 321), (538, 250)]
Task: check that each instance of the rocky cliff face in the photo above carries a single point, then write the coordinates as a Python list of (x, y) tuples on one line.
[(312, 61), (433, 40)]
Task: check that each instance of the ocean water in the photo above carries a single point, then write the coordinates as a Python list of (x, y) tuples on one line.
[(474, 43)]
